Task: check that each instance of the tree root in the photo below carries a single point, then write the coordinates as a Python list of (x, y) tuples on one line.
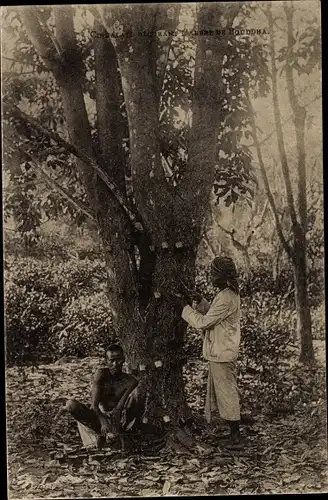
[(176, 440), (181, 442)]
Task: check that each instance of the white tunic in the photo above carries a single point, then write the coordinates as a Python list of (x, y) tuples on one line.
[(221, 322)]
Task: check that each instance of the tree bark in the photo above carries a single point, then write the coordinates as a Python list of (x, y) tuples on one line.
[(110, 125), (300, 266), (197, 182), (304, 331), (278, 122), (266, 183), (146, 315)]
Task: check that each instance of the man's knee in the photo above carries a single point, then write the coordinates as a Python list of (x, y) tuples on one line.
[(72, 406)]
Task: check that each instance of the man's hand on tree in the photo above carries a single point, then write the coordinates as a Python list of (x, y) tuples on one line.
[(186, 300), (197, 297), (190, 294)]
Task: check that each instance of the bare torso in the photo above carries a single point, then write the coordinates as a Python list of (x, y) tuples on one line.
[(112, 387)]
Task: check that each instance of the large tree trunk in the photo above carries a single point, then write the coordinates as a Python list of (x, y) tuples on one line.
[(143, 290)]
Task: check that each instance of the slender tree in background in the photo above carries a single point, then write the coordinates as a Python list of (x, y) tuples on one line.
[(297, 211), (255, 221)]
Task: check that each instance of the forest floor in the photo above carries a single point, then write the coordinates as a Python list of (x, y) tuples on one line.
[(279, 454)]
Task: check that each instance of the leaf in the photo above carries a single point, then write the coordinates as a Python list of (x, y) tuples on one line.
[(292, 478), (285, 460), (267, 485), (176, 479), (205, 481), (204, 449), (194, 461), (72, 479), (93, 462), (153, 478), (166, 487), (149, 493)]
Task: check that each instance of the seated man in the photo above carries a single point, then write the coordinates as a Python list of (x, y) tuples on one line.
[(112, 392)]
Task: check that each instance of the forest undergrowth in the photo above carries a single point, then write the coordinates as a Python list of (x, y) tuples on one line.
[(281, 453)]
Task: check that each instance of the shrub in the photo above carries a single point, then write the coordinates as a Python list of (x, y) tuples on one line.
[(56, 241), (36, 295), (85, 326), (318, 322), (267, 348), (258, 280), (29, 316), (61, 280), (270, 376)]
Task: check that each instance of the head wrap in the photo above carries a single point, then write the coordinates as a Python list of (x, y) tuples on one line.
[(224, 270)]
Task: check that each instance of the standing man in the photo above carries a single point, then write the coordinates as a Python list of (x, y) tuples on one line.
[(112, 392), (221, 323)]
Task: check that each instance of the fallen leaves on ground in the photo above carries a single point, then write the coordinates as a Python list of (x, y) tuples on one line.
[(279, 454)]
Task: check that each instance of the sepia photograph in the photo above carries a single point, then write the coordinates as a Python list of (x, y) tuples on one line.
[(163, 234)]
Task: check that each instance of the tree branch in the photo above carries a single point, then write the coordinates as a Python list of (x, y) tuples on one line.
[(277, 116), (48, 31), (286, 246), (290, 117), (236, 243), (209, 244), (166, 20), (14, 73), (78, 205), (299, 116), (42, 41), (65, 194), (110, 124), (196, 185), (153, 195), (81, 155), (262, 215)]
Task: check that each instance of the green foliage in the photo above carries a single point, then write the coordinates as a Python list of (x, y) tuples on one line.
[(318, 321), (267, 345), (20, 199), (29, 316), (68, 243), (85, 326), (260, 280), (43, 298), (304, 55), (29, 81)]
